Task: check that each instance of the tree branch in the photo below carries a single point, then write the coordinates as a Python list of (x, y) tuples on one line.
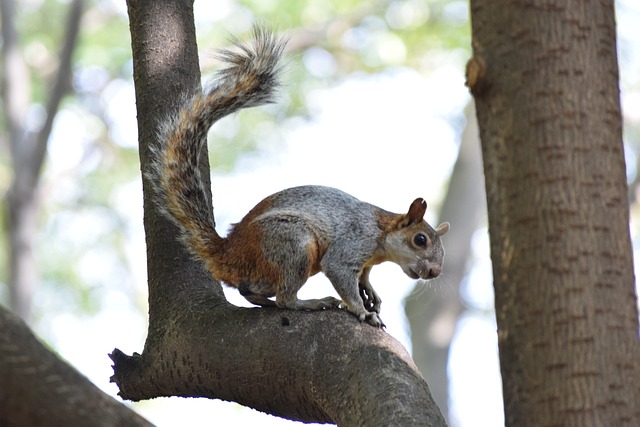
[(28, 150), (29, 373), (15, 81), (35, 159), (307, 366), (20, 200)]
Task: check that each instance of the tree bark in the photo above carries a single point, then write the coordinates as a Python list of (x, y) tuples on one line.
[(321, 367), (545, 80), (309, 366), (40, 389)]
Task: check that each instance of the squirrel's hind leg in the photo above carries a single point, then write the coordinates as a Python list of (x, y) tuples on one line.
[(261, 299), (293, 247), (297, 275), (293, 303)]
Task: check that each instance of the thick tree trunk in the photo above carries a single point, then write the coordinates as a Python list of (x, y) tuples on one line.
[(545, 80), (39, 389), (310, 366)]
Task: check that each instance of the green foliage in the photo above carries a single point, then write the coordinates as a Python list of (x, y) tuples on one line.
[(333, 39)]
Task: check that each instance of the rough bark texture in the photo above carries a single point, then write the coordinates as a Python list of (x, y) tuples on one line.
[(433, 316), (310, 366), (307, 366), (545, 80), (39, 389)]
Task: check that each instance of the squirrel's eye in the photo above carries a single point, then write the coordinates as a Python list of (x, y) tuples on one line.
[(420, 240)]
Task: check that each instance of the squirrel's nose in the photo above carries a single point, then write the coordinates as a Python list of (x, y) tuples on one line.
[(435, 271)]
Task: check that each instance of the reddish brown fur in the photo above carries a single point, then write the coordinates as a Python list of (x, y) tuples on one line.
[(240, 257), (388, 221), (315, 251)]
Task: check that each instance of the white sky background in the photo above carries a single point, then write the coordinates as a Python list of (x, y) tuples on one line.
[(386, 139)]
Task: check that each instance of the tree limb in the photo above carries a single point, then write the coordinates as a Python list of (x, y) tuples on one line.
[(28, 150), (307, 366), (20, 200), (15, 80), (59, 89), (29, 373)]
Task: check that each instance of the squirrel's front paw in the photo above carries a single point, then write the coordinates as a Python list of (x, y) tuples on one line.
[(372, 318), (370, 298), (373, 304)]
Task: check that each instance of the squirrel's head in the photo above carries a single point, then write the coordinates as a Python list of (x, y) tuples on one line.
[(414, 245)]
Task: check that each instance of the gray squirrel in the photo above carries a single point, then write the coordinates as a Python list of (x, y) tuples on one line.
[(295, 233)]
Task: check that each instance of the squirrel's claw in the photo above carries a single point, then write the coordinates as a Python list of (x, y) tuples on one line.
[(372, 318), (371, 301)]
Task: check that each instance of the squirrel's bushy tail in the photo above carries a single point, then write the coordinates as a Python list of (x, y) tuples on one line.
[(250, 79)]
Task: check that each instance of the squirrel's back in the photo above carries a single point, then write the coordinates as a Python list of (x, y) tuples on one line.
[(319, 199), (331, 211)]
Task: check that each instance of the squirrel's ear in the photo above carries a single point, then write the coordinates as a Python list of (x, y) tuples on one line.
[(442, 229), (416, 211)]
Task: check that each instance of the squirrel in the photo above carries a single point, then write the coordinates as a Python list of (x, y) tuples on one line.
[(295, 233)]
